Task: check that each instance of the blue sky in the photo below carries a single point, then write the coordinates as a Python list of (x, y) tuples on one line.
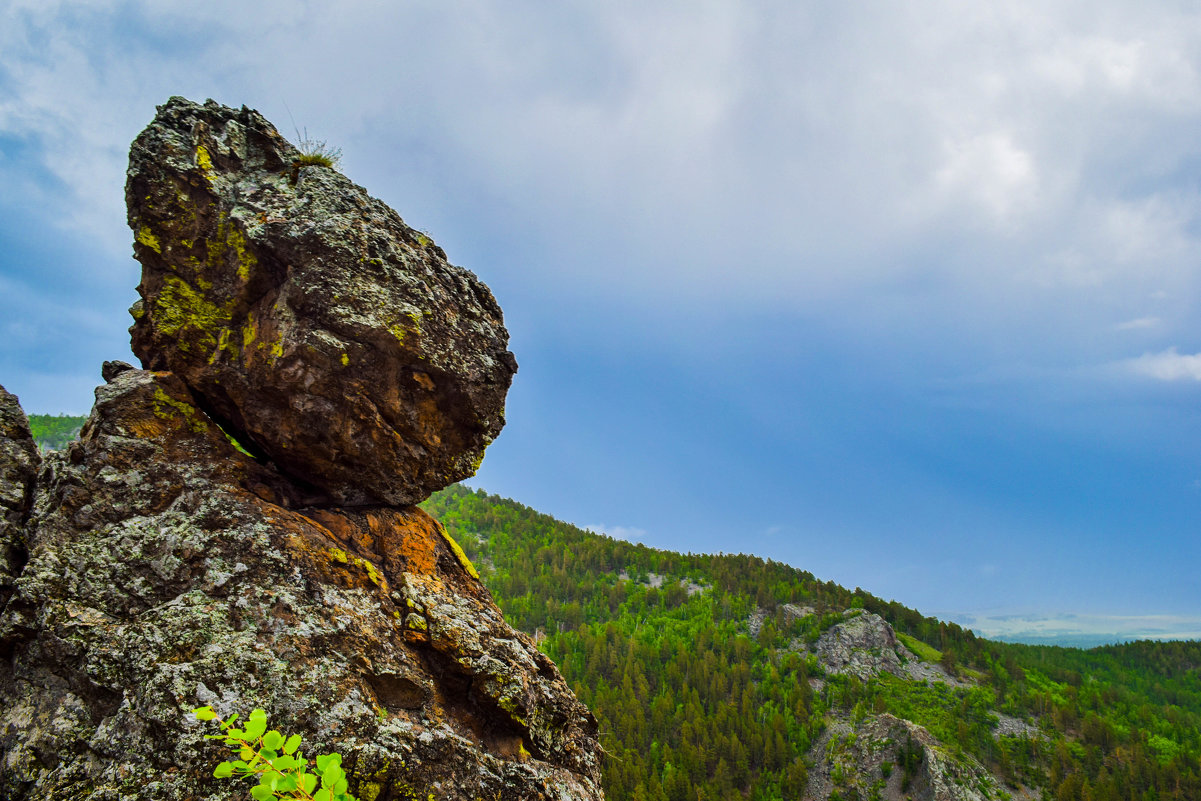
[(905, 296)]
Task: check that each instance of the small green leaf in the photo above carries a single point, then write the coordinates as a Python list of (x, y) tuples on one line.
[(224, 770), (256, 725), (324, 761), (204, 713), (272, 740), (308, 781), (332, 775), (324, 795), (292, 744), (261, 792)]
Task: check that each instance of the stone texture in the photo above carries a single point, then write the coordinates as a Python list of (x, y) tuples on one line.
[(19, 462), (863, 645), (167, 570), (305, 315), (848, 758)]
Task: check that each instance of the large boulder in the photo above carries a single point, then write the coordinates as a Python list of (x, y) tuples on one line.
[(165, 570), (305, 316)]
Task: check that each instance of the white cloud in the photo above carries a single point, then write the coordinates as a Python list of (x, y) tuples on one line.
[(626, 533), (1168, 365), (1154, 626), (1138, 323), (1016, 168), (990, 170)]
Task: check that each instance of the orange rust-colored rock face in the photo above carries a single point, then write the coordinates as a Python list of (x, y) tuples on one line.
[(166, 570)]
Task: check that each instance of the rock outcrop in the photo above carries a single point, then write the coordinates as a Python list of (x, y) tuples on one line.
[(891, 759), (863, 645), (305, 315), (157, 565), (19, 461)]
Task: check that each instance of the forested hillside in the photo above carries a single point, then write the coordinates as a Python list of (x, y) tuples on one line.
[(705, 676), (54, 431)]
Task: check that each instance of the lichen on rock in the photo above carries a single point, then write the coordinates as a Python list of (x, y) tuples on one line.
[(307, 315), (19, 462), (234, 526)]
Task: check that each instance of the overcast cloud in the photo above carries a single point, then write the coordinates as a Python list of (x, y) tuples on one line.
[(852, 272)]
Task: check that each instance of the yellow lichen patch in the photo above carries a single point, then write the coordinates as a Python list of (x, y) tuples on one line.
[(179, 306), (166, 407), (230, 242), (249, 331), (203, 160), (458, 552), (345, 359), (343, 558), (373, 575), (147, 238), (222, 344)]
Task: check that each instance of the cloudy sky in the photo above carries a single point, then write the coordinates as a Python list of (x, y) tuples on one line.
[(908, 295)]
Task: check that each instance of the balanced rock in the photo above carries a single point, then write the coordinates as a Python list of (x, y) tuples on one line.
[(305, 315), (163, 569)]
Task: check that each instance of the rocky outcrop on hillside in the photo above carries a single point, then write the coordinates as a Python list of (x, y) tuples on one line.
[(863, 645), (891, 759), (786, 613), (306, 315), (191, 549)]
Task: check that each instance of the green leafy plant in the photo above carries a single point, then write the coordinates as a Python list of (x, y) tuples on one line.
[(276, 761)]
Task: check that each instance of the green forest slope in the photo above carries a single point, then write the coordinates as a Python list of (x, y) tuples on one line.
[(692, 705), (54, 431)]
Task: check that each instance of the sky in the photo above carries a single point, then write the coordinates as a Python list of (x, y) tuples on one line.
[(904, 294)]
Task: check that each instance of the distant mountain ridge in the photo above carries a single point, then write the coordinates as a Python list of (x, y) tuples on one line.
[(767, 683)]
